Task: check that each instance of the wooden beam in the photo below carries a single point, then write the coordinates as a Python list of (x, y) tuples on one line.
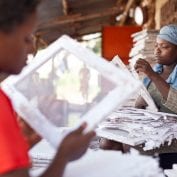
[(51, 35), (126, 11), (67, 19), (65, 7), (89, 3)]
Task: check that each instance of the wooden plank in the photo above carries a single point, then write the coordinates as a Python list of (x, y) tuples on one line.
[(80, 29), (89, 3), (52, 34), (92, 8), (79, 18)]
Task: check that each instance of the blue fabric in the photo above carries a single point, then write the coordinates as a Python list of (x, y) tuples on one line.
[(169, 33), (172, 79)]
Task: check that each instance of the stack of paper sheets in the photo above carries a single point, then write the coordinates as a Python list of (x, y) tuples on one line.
[(136, 126), (144, 42), (171, 172), (41, 155), (93, 164)]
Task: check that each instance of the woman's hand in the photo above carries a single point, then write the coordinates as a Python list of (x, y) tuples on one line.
[(160, 83), (140, 103), (143, 66), (75, 144)]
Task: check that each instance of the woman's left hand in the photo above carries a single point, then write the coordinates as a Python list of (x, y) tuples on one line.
[(143, 66)]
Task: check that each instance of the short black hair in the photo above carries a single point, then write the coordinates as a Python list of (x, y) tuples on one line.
[(15, 12)]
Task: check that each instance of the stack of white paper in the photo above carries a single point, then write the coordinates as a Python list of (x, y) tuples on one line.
[(171, 172), (102, 164), (114, 164), (136, 126), (144, 42), (41, 155)]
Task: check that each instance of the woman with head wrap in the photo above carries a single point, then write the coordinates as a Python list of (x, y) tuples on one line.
[(161, 81)]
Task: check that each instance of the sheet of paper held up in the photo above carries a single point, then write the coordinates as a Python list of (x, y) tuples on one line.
[(143, 91), (65, 85)]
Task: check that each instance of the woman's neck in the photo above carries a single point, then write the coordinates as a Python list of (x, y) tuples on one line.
[(169, 68)]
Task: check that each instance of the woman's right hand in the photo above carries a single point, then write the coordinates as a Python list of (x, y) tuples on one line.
[(140, 103), (143, 66)]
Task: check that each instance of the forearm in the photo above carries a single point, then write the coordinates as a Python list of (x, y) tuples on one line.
[(160, 84), (68, 151), (57, 167)]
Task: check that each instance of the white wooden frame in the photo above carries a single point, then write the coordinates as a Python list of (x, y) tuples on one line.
[(116, 97)]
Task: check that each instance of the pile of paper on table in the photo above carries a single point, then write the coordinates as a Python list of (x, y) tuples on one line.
[(137, 126), (41, 155), (171, 172), (93, 163)]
